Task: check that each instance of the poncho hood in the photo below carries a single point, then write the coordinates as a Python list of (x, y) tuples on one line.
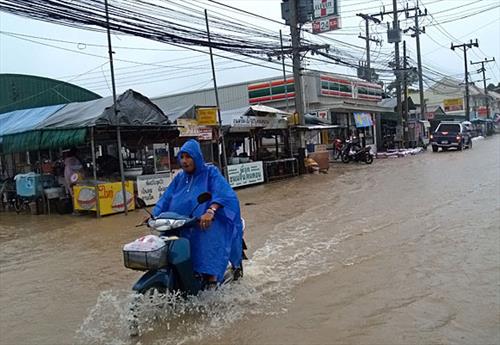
[(193, 149)]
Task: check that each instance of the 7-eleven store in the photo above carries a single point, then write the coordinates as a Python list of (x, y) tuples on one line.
[(347, 102)]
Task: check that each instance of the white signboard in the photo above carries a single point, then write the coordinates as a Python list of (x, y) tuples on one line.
[(151, 187), (323, 8), (245, 174)]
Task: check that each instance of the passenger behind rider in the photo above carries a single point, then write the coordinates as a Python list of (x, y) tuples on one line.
[(217, 239)]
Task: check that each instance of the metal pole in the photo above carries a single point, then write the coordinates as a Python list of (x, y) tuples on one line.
[(405, 81), (420, 75), (284, 72), (118, 134), (395, 26), (367, 27), (467, 110), (221, 132), (94, 170)]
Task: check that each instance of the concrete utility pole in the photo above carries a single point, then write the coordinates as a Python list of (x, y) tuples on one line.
[(416, 34), (395, 28), (484, 82), (464, 46), (297, 69), (405, 82), (367, 19)]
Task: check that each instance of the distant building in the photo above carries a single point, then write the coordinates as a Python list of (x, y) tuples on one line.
[(19, 91)]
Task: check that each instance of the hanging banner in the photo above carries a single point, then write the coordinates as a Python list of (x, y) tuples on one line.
[(245, 174), (151, 187), (206, 116), (191, 128)]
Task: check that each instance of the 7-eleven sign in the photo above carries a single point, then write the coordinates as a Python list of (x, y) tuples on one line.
[(323, 8)]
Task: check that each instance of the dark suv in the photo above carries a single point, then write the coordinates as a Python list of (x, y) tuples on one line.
[(450, 134)]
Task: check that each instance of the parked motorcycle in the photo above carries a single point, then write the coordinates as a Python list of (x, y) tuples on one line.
[(166, 258), (354, 152)]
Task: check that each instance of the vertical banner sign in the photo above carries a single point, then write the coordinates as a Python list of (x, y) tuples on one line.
[(326, 16), (206, 116)]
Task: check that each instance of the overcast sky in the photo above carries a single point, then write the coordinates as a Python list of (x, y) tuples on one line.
[(80, 56)]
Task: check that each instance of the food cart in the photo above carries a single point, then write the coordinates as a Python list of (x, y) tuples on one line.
[(93, 127)]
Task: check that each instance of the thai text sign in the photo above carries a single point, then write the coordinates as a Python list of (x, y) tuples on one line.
[(245, 174), (206, 116), (190, 128), (151, 187), (251, 121), (110, 197), (453, 104)]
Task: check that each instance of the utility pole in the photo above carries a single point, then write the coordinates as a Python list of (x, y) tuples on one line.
[(116, 112), (297, 76), (297, 69), (464, 46), (220, 131), (405, 81), (394, 36), (482, 69), (417, 31), (367, 37)]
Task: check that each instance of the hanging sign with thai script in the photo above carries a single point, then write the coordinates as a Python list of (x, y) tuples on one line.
[(206, 116), (151, 187), (245, 174)]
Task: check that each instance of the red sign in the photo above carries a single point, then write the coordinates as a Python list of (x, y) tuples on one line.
[(482, 111), (326, 24)]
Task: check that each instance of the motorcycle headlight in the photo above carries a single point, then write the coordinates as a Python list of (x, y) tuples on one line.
[(178, 223)]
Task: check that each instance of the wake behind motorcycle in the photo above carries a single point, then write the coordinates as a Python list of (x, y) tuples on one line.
[(166, 258), (354, 152)]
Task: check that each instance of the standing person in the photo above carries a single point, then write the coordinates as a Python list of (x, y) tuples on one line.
[(72, 167), (217, 239)]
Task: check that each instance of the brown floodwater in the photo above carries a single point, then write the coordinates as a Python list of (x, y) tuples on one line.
[(403, 251)]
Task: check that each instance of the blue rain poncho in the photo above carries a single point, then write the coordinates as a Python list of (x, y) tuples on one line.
[(213, 248)]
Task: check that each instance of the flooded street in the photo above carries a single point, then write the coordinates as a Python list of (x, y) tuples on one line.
[(402, 251)]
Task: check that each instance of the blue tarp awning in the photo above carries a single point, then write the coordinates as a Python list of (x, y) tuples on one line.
[(25, 120), (363, 120)]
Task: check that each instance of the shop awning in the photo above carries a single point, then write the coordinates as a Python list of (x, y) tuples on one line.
[(363, 120), (67, 125)]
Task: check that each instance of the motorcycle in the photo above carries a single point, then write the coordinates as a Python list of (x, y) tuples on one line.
[(166, 258), (354, 152), (338, 146)]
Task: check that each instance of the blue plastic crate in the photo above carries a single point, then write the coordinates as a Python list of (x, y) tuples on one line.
[(28, 185)]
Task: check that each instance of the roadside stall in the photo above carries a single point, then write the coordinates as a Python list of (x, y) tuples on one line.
[(258, 145), (92, 128)]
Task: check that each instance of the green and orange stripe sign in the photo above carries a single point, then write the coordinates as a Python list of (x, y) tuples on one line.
[(268, 91)]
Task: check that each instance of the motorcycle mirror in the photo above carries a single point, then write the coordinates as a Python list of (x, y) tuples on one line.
[(142, 204), (204, 197)]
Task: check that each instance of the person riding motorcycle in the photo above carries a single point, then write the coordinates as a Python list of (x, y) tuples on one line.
[(218, 238)]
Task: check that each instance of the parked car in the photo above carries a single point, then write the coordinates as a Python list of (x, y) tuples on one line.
[(450, 134)]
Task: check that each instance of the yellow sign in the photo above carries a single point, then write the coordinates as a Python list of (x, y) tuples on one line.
[(110, 197), (293, 119), (453, 104), (206, 116)]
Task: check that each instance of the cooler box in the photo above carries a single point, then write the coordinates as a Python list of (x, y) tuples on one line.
[(28, 185)]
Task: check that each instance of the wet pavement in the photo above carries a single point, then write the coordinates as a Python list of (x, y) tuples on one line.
[(402, 251)]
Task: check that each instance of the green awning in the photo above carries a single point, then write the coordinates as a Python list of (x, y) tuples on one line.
[(43, 139), (56, 138)]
